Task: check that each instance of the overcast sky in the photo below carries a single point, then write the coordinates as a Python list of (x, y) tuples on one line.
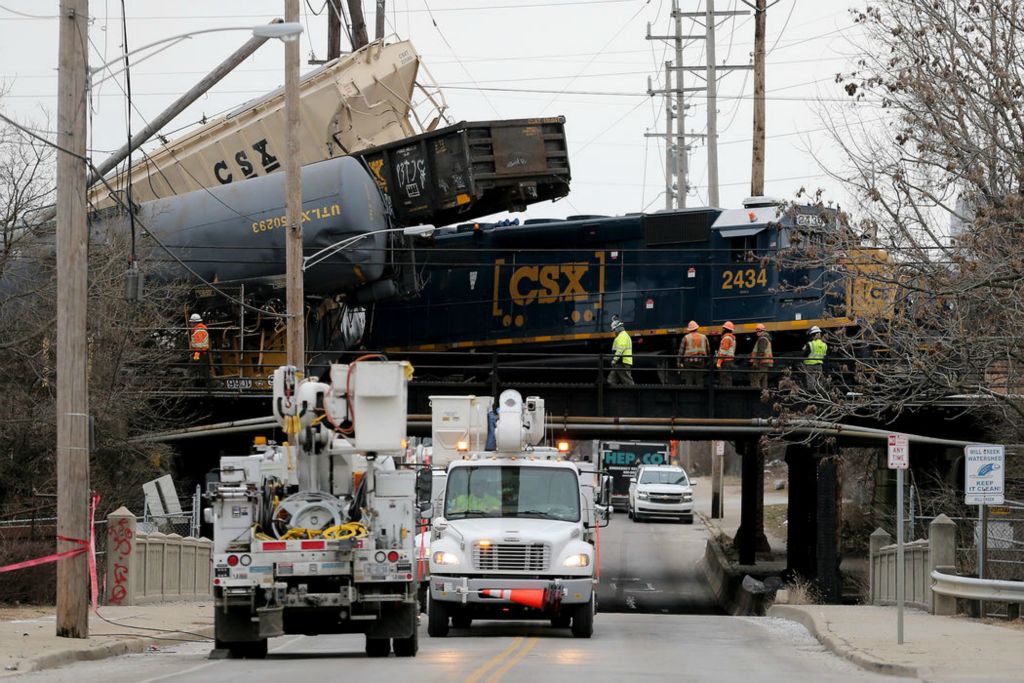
[(585, 59)]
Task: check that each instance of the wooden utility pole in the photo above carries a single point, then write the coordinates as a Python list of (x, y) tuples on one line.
[(380, 20), (293, 200), (757, 156), (72, 352), (355, 10), (333, 29)]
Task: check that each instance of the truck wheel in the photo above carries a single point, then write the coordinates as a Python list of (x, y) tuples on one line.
[(378, 647), (461, 621), (583, 620), (407, 647), (437, 619)]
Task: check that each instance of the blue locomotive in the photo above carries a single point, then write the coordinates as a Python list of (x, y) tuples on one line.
[(558, 284)]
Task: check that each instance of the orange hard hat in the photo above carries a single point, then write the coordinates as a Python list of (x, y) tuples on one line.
[(759, 327), (693, 326), (729, 326)]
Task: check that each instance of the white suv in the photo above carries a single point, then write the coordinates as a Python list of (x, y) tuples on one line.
[(661, 491)]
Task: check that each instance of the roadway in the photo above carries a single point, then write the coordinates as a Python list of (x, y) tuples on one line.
[(657, 621)]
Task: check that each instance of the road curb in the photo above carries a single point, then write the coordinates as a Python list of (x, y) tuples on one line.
[(819, 628), (126, 646)]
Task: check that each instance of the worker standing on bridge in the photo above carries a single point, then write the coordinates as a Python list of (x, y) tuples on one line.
[(726, 354), (694, 352), (761, 358), (814, 350), (199, 345), (622, 356)]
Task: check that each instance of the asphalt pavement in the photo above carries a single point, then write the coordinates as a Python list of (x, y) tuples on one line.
[(651, 567)]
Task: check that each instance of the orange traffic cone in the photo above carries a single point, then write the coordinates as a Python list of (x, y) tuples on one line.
[(538, 598)]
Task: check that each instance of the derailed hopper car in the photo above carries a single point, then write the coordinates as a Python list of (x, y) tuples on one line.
[(472, 169)]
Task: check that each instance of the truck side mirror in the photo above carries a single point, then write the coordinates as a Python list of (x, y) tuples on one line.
[(424, 488), (606, 490)]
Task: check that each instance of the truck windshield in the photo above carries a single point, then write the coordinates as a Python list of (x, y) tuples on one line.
[(676, 477), (499, 491)]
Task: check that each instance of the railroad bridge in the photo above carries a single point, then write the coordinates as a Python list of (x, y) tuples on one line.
[(581, 404)]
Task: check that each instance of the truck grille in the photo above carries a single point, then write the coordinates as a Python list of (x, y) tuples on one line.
[(666, 498), (511, 557)]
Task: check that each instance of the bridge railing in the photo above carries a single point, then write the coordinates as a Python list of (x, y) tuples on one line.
[(920, 559)]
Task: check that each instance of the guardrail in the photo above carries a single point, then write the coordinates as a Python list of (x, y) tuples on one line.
[(969, 588)]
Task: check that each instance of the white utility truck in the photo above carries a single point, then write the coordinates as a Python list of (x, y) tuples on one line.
[(517, 535), (317, 536)]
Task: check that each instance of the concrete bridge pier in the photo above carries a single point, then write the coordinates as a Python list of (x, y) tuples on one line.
[(750, 537)]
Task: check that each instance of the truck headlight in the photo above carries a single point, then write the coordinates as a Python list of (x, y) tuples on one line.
[(578, 560), (643, 495), (445, 558)]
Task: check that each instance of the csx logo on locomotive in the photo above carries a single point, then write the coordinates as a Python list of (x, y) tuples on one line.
[(518, 287)]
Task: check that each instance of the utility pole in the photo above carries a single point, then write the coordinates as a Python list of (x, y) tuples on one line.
[(355, 9), (711, 69), (296, 342), (683, 176), (333, 29), (679, 159), (712, 84), (72, 293), (380, 20), (757, 155)]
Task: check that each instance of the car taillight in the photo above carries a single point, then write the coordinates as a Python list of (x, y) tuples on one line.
[(393, 556), (232, 560)]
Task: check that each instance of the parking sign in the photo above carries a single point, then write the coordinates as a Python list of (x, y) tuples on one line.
[(984, 469), (899, 452)]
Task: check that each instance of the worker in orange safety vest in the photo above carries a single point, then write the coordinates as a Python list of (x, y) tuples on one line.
[(726, 354), (198, 338), (761, 358), (694, 352)]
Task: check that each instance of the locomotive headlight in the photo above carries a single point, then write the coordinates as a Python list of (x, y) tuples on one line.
[(577, 560), (444, 557)]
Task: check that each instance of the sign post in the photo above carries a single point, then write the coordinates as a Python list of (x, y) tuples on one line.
[(899, 460), (984, 485)]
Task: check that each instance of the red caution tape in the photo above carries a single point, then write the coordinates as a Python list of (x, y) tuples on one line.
[(86, 546)]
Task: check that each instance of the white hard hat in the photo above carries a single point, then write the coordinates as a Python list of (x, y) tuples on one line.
[(195, 318), (616, 324), (814, 330)]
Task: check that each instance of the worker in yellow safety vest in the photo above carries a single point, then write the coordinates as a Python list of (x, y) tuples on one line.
[(761, 358), (726, 354), (694, 352), (622, 356), (814, 350)]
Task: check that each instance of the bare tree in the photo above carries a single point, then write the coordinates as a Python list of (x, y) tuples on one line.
[(936, 237), (133, 377)]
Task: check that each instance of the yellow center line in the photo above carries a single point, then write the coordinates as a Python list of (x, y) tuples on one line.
[(494, 661), (496, 676)]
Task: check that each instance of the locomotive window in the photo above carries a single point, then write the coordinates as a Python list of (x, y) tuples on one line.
[(743, 249)]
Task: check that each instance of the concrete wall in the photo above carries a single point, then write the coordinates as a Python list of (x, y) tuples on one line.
[(147, 568), (919, 559)]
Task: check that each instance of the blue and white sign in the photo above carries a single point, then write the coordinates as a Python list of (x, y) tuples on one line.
[(984, 470)]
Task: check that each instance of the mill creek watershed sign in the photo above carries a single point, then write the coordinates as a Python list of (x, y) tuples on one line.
[(984, 470)]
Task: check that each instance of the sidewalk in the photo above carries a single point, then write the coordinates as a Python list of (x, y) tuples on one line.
[(934, 648), (28, 641)]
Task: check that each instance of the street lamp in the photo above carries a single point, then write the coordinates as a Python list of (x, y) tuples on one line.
[(284, 31), (329, 251)]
